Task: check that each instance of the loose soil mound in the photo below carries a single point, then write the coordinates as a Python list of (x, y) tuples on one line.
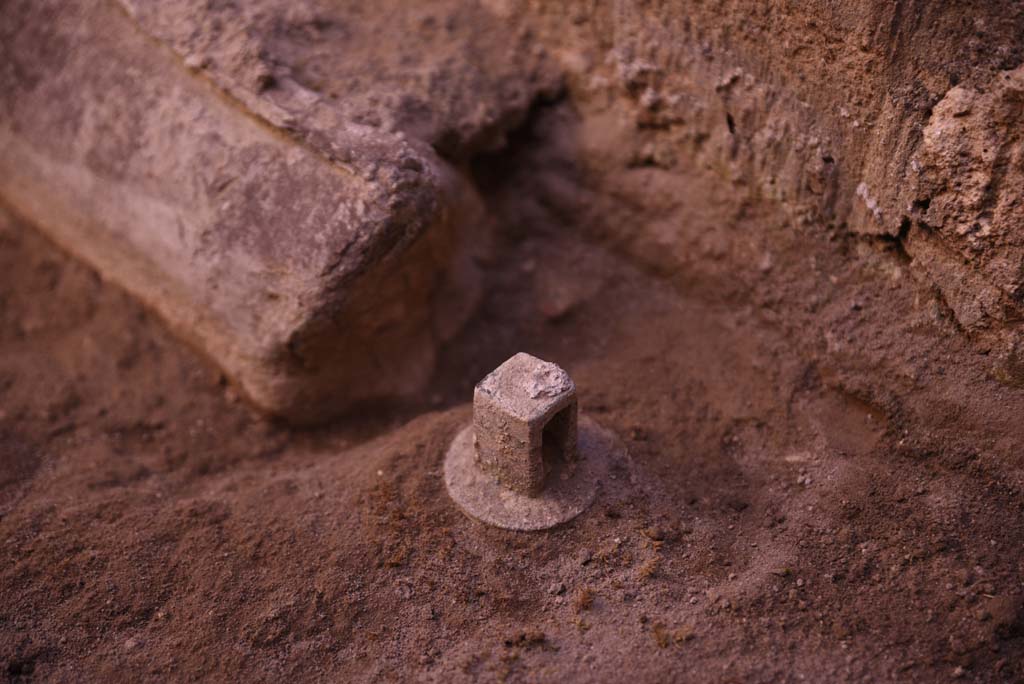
[(782, 526)]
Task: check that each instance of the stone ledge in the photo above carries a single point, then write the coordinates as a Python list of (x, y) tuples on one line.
[(314, 283)]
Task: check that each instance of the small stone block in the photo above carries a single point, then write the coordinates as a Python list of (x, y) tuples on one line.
[(525, 422)]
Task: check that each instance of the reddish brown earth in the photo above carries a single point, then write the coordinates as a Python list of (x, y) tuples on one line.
[(787, 523), (820, 386)]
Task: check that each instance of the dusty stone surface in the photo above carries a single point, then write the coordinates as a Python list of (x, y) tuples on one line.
[(446, 72), (968, 204), (522, 410), (318, 271)]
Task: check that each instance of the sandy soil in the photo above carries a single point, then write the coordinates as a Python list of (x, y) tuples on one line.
[(817, 384), (793, 518)]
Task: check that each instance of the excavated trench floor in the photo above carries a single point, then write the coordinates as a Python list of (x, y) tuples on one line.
[(784, 525)]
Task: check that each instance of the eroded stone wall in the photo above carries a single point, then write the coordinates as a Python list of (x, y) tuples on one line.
[(897, 121)]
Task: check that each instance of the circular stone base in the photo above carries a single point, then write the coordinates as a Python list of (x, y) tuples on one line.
[(564, 497)]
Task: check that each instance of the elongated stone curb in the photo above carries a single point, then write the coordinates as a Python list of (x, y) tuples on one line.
[(314, 283)]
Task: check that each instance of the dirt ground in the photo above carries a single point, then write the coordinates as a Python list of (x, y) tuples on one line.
[(718, 217), (828, 484)]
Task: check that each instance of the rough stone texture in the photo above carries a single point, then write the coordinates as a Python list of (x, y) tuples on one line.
[(521, 409), (447, 72), (897, 122), (318, 268), (968, 201)]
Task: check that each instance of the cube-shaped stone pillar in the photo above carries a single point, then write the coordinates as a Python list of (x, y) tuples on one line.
[(525, 422)]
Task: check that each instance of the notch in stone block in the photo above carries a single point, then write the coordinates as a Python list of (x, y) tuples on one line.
[(525, 423), (529, 460)]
